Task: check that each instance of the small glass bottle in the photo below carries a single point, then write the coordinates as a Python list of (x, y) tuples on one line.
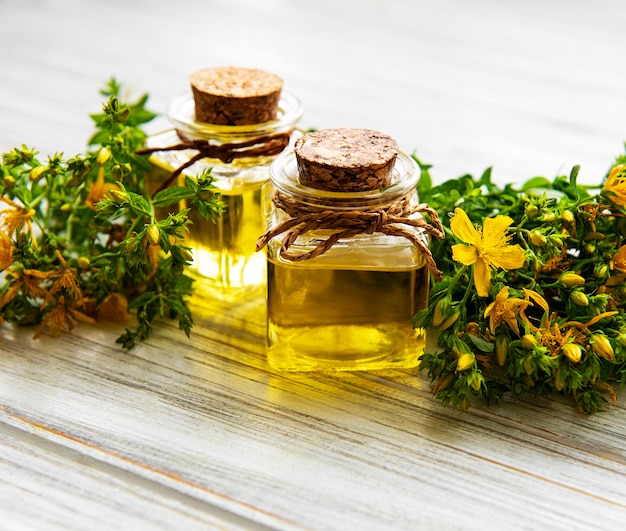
[(347, 252), (246, 118)]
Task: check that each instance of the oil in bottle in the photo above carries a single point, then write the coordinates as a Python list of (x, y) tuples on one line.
[(233, 122), (344, 303)]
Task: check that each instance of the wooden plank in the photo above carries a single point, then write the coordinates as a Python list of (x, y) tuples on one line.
[(345, 448), (50, 486)]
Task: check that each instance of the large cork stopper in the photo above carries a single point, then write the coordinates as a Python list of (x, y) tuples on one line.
[(346, 160), (235, 96)]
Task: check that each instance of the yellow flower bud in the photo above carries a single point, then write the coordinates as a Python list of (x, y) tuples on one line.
[(593, 236), (548, 217), (118, 196), (528, 341), (36, 173), (529, 367), (120, 170), (502, 349), (476, 380), (465, 362), (531, 211), (572, 352), (443, 383), (66, 207), (601, 345), (579, 298), (567, 216), (559, 378), (124, 114), (601, 271), (186, 254), (8, 182), (103, 156), (130, 246), (605, 388), (536, 238), (622, 338), (441, 311), (556, 239), (83, 262), (154, 234), (460, 348), (570, 280), (449, 321)]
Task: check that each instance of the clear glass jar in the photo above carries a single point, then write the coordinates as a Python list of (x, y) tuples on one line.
[(224, 250), (349, 308)]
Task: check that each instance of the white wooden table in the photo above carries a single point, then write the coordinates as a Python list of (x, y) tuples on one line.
[(198, 434)]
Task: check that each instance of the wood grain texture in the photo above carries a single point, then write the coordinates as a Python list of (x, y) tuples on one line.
[(199, 434)]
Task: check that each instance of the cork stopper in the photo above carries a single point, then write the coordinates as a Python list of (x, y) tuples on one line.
[(346, 159), (235, 96)]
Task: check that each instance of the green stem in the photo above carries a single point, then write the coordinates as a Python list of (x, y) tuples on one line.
[(134, 226), (35, 202), (456, 278), (468, 291)]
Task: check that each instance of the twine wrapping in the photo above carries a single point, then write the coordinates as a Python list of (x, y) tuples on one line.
[(257, 147), (388, 220)]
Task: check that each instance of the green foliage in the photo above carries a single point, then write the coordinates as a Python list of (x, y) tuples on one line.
[(573, 238), (80, 240)]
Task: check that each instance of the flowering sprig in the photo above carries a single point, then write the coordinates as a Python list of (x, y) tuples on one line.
[(82, 240), (533, 295)]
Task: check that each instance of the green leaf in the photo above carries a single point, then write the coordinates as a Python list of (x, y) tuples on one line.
[(481, 344), (139, 204), (536, 182), (143, 300), (573, 176), (191, 183), (172, 195), (485, 178)]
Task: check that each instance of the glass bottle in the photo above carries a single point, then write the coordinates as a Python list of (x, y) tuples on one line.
[(350, 307), (224, 250)]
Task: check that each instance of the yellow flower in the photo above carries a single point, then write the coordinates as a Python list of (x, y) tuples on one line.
[(61, 318), (619, 259), (615, 186), (486, 248), (6, 251), (65, 280), (13, 218), (98, 189), (505, 309)]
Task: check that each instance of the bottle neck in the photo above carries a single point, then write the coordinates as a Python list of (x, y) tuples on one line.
[(284, 176), (181, 113)]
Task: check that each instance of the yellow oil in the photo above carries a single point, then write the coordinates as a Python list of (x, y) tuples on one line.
[(344, 318), (225, 262), (224, 251)]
